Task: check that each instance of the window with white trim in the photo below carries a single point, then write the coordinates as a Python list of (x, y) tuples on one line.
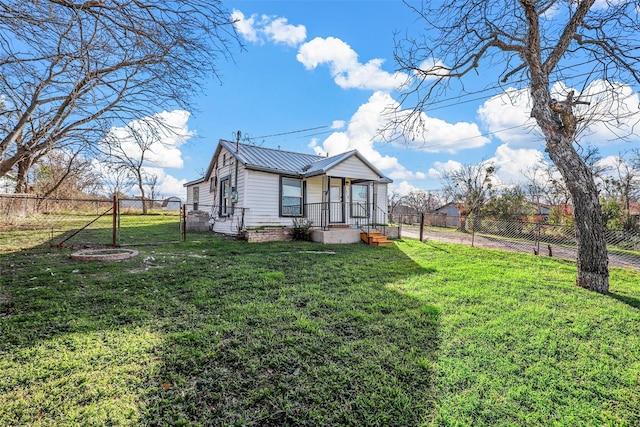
[(225, 196), (196, 197)]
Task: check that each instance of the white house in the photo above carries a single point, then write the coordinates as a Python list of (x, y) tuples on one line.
[(250, 187)]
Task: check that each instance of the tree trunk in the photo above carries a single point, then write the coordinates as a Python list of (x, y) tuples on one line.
[(141, 188), (592, 260), (558, 127), (24, 165)]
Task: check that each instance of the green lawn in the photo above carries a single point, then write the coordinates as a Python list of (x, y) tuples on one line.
[(78, 229), (218, 332)]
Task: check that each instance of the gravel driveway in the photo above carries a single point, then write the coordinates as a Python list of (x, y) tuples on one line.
[(500, 243)]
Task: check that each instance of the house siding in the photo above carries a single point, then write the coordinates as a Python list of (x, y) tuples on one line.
[(354, 168), (382, 201), (259, 191), (233, 223), (263, 198), (314, 189), (203, 199)]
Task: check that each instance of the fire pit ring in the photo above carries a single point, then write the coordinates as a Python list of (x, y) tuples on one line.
[(107, 255)]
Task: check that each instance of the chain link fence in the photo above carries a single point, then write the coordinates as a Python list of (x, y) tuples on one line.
[(535, 237), (29, 222)]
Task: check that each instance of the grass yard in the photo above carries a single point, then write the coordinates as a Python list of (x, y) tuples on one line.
[(50, 230), (229, 333)]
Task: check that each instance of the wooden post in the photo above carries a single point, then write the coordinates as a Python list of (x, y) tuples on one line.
[(183, 221), (422, 226), (114, 234)]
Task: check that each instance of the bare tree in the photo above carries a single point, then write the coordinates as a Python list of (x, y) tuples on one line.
[(131, 147), (65, 174), (623, 183), (469, 187), (70, 70), (421, 201), (152, 185), (115, 180), (545, 184), (535, 51), (395, 199)]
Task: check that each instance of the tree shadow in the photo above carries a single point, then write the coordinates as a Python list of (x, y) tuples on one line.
[(630, 301)]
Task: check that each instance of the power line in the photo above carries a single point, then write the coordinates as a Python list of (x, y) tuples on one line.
[(290, 132)]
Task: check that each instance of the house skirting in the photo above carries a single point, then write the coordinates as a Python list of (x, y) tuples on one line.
[(268, 235), (337, 235), (197, 221)]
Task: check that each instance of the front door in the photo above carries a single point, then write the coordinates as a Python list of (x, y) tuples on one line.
[(336, 196)]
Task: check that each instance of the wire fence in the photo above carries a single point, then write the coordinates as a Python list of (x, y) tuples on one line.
[(30, 222), (535, 237)]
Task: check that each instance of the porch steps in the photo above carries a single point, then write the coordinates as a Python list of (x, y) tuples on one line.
[(375, 238)]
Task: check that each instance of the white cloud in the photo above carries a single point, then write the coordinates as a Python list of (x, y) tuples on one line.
[(167, 185), (337, 124), (440, 168), (613, 112), (345, 68), (436, 135), (360, 135), (364, 127), (403, 188), (280, 32), (245, 26), (508, 117), (276, 29), (511, 163), (168, 130)]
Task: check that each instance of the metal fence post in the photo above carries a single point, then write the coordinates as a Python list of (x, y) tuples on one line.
[(114, 234)]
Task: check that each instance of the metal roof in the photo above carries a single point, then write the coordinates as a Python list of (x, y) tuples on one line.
[(282, 162), (268, 159)]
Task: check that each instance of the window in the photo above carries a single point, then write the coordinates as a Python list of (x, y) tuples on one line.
[(359, 200), (196, 197), (212, 184), (291, 197), (225, 197)]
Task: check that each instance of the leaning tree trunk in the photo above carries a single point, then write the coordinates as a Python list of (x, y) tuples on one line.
[(24, 166), (592, 260), (558, 125)]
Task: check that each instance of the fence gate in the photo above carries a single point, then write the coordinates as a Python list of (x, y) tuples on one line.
[(30, 222), (147, 222)]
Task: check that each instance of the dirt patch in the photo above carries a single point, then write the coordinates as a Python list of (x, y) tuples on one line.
[(105, 255)]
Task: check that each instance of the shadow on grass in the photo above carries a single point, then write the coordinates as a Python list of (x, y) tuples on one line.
[(258, 334), (630, 301), (81, 231)]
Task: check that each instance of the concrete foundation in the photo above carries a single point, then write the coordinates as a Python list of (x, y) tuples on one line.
[(340, 235), (197, 221), (393, 232)]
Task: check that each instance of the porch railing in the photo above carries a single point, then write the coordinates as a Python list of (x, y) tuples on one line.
[(345, 214)]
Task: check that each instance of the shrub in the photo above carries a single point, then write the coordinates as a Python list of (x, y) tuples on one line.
[(301, 229)]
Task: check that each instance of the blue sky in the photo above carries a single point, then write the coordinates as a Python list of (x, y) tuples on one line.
[(328, 66)]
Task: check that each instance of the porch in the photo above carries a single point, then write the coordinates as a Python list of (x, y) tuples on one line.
[(328, 216)]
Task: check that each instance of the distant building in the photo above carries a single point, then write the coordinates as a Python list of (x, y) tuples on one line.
[(172, 203)]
